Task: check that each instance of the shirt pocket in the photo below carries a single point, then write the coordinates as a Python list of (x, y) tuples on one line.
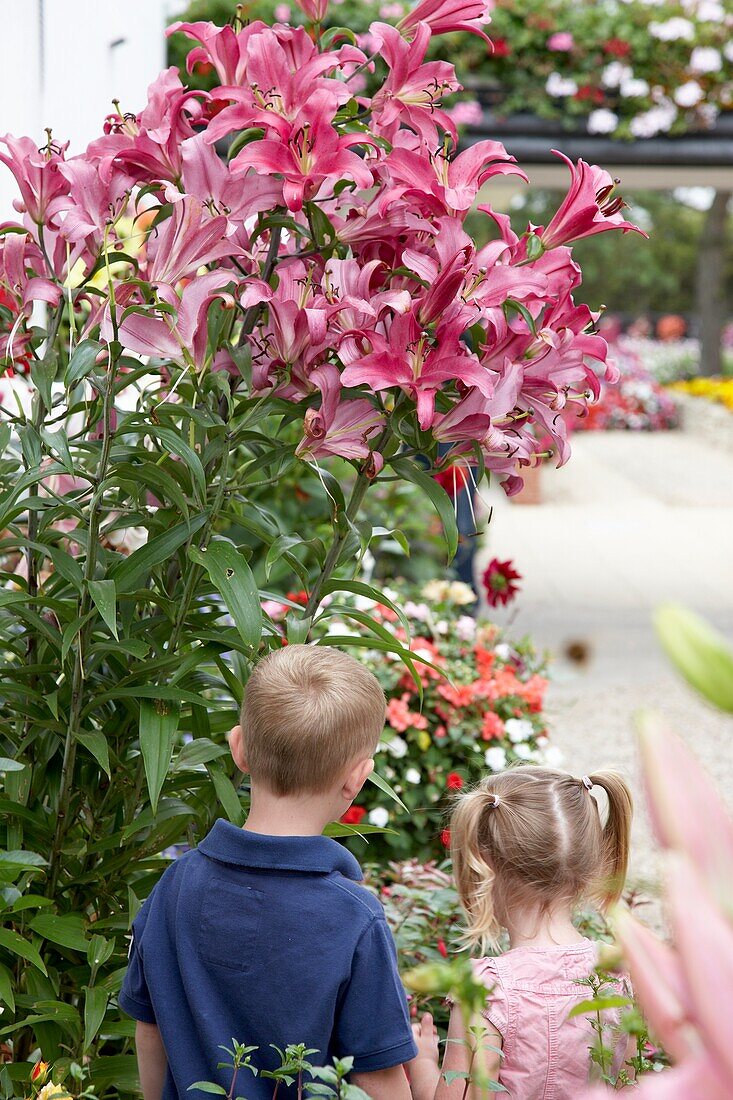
[(229, 927)]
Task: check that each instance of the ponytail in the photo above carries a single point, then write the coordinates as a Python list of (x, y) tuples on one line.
[(616, 838), (473, 877)]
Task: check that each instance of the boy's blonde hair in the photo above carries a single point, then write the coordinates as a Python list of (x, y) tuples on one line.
[(308, 712), (533, 837)]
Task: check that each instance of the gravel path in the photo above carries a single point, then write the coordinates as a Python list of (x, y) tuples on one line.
[(632, 521)]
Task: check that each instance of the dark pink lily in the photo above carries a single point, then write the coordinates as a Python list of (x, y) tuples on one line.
[(313, 153), (443, 186), (186, 241), (207, 177), (444, 16), (36, 173), (411, 94), (406, 358), (219, 46), (346, 433), (590, 207)]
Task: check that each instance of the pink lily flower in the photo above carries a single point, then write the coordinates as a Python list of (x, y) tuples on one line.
[(220, 47), (186, 241), (346, 433), (36, 173), (207, 177), (313, 153), (406, 358), (180, 338), (444, 16), (315, 10), (589, 207), (442, 186), (411, 94)]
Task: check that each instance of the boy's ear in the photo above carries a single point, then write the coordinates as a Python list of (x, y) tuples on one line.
[(356, 778), (236, 746)]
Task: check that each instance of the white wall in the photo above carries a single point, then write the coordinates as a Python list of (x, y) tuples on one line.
[(63, 63)]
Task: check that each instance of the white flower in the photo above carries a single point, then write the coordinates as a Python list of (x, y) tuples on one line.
[(461, 593), (466, 628), (552, 756), (518, 729), (363, 603), (634, 88), (396, 747), (602, 121), (559, 86), (523, 751), (412, 775), (495, 759), (615, 73), (705, 59), (418, 611), (728, 51), (127, 539), (436, 590), (441, 627), (673, 29), (654, 121), (503, 651), (390, 594), (378, 817), (689, 94), (710, 11)]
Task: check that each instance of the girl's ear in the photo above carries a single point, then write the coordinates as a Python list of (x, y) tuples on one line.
[(236, 746)]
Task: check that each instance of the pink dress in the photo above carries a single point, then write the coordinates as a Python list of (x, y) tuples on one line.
[(546, 1052)]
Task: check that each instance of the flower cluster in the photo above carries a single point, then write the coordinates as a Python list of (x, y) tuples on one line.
[(332, 238), (637, 403), (482, 709), (632, 69), (714, 389)]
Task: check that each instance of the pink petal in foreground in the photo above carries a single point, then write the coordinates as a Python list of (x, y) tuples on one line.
[(687, 813)]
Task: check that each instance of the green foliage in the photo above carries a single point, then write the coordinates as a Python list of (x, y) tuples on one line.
[(699, 652)]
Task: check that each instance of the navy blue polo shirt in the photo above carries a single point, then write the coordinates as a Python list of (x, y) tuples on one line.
[(267, 939)]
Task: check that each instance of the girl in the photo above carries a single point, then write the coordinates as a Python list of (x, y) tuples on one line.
[(528, 845)]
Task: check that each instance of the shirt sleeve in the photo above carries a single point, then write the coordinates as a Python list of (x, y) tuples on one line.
[(134, 998), (497, 1007), (373, 1025)]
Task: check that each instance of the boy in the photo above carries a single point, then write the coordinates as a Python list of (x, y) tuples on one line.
[(264, 933)]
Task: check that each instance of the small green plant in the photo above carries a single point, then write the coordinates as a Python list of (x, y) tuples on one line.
[(329, 1081)]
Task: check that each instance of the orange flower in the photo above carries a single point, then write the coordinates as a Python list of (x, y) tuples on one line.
[(39, 1073), (533, 692), (460, 695), (401, 718), (484, 660)]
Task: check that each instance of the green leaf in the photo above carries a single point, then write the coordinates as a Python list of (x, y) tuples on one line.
[(68, 931), (340, 828), (81, 362), (14, 943), (118, 1071), (105, 599), (6, 988), (442, 503), (128, 573), (168, 809), (43, 372), (226, 794), (96, 743), (232, 577), (8, 765), (95, 1006), (699, 652), (177, 446), (598, 1004), (199, 751), (158, 724), (360, 588), (207, 1086), (384, 786)]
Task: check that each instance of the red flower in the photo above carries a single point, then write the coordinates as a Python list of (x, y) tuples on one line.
[(354, 815), (617, 47), (499, 582), (587, 92), (501, 47), (493, 727), (452, 478), (39, 1073), (445, 838), (453, 781), (298, 597), (442, 949)]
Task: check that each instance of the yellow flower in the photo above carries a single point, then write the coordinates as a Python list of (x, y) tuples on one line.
[(714, 389), (423, 740), (53, 1092)]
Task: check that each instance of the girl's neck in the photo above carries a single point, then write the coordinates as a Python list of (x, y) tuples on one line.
[(553, 929)]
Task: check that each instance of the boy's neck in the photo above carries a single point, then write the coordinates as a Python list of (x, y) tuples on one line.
[(288, 815), (531, 929)]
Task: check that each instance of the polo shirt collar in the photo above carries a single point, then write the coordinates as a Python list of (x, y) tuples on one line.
[(227, 843)]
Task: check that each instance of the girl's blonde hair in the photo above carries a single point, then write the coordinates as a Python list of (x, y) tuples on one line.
[(533, 837)]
